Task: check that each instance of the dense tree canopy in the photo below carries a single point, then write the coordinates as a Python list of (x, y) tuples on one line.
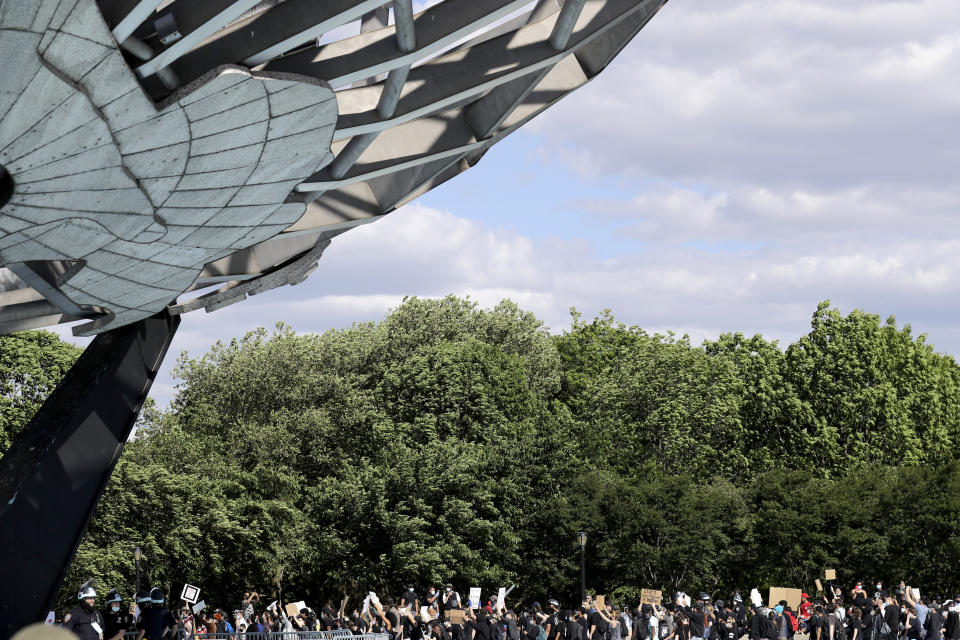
[(453, 443), (31, 365)]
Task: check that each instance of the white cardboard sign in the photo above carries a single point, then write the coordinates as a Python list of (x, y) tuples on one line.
[(190, 593)]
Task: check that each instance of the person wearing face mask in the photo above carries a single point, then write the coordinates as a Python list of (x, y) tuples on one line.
[(451, 599), (433, 598), (84, 619), (118, 620), (410, 599), (728, 630), (880, 593)]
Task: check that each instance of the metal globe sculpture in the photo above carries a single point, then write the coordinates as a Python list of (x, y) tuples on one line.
[(154, 148)]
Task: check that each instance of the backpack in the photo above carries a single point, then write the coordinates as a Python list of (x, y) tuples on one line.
[(794, 623), (884, 628)]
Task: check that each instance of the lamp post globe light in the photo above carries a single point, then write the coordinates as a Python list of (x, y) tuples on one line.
[(582, 540)]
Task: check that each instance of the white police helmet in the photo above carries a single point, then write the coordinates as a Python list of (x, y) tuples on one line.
[(86, 590)]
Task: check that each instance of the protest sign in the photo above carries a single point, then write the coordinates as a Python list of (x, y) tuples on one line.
[(425, 613), (601, 603), (455, 616), (501, 598), (819, 584), (51, 618), (792, 596), (197, 608), (474, 597), (755, 598), (650, 596), (830, 574), (190, 593), (291, 609)]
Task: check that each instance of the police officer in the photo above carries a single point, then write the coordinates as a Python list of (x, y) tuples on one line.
[(84, 619), (118, 620), (156, 621), (143, 602)]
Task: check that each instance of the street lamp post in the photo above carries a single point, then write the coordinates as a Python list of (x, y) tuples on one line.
[(136, 561), (582, 539)]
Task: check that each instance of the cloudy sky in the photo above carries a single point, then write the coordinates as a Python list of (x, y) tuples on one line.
[(739, 162)]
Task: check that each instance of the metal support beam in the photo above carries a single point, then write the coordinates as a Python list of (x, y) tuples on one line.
[(53, 475), (403, 17), (350, 153), (563, 28), (390, 95), (376, 19), (134, 19)]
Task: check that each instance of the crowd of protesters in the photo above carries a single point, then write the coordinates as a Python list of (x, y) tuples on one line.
[(897, 614)]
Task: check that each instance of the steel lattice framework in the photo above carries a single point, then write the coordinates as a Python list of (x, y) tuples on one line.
[(151, 148)]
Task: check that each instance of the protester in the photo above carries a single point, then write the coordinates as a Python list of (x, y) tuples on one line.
[(833, 615)]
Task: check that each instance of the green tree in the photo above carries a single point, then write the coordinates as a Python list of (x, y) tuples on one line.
[(872, 393), (32, 363)]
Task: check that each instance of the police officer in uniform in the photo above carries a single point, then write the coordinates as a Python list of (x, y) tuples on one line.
[(84, 619), (156, 621), (118, 620), (143, 602)]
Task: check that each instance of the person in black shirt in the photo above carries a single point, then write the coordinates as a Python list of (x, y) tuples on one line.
[(881, 593), (740, 612), (697, 621), (410, 599), (437, 631), (552, 623), (953, 623), (155, 621), (84, 619), (867, 623), (854, 624), (451, 599), (816, 624), (934, 624), (727, 629), (597, 626), (682, 625), (859, 596), (479, 624), (118, 621), (756, 624), (510, 621)]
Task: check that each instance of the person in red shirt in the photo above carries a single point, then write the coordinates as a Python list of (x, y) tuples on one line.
[(805, 606)]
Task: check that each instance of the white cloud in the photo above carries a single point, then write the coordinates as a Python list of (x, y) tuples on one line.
[(809, 93), (426, 252), (780, 151)]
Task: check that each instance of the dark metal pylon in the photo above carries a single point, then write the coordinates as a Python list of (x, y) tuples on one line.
[(53, 475)]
